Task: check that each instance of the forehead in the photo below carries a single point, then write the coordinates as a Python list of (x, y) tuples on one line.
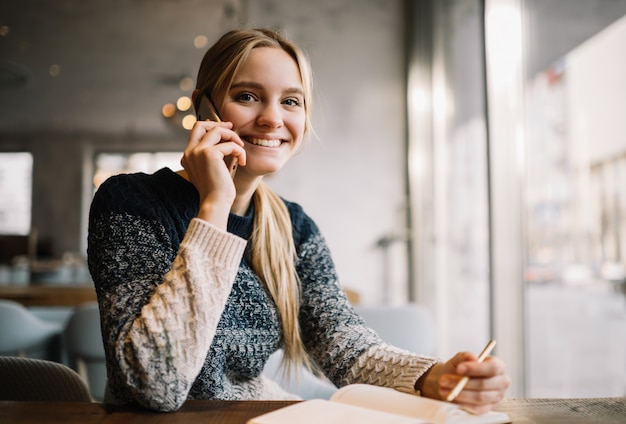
[(269, 65)]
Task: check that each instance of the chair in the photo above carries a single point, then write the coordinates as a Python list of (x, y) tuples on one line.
[(409, 327), (85, 351), (305, 384), (22, 333), (29, 379)]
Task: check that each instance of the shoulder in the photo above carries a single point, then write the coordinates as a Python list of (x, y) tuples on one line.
[(138, 206), (132, 193), (303, 226)]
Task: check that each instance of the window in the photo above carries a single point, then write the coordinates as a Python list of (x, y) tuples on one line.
[(108, 164), (519, 202), (16, 178)]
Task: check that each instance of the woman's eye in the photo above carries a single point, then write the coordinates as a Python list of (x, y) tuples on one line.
[(292, 102), (244, 97)]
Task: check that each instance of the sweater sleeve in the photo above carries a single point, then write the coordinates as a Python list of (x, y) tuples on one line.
[(160, 308), (336, 337)]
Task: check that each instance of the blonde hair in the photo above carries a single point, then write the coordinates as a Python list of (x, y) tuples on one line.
[(272, 249)]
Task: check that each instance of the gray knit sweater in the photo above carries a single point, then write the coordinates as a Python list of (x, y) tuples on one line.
[(185, 317)]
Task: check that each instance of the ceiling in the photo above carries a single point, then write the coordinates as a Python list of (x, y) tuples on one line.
[(103, 66), (555, 27), (109, 66)]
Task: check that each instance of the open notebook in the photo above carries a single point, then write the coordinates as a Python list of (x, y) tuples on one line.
[(366, 404)]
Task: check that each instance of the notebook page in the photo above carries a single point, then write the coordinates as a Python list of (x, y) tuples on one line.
[(390, 400), (318, 411)]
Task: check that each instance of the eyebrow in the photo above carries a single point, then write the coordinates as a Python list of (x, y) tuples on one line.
[(251, 84)]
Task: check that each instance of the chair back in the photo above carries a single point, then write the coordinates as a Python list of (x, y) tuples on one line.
[(29, 379), (409, 326), (85, 351), (22, 333)]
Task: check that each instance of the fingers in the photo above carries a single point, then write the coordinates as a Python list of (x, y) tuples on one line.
[(204, 160), (497, 383), (489, 367), (484, 396), (213, 133), (462, 357), (209, 141), (218, 135), (479, 395), (486, 385)]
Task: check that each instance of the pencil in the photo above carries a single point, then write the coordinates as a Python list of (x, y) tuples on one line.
[(459, 386)]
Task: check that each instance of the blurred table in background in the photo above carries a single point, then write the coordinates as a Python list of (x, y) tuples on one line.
[(49, 295)]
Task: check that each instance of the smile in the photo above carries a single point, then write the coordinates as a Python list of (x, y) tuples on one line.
[(263, 141)]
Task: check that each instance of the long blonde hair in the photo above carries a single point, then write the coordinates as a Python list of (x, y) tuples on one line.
[(273, 253)]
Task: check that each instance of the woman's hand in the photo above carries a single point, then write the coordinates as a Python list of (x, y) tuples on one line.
[(486, 386), (208, 145)]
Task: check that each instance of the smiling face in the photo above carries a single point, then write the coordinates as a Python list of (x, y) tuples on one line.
[(266, 106)]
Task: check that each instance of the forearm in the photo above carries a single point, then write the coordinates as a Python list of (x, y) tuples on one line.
[(158, 329), (388, 366)]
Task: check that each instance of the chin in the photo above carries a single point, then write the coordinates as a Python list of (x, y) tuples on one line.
[(269, 172), (265, 168)]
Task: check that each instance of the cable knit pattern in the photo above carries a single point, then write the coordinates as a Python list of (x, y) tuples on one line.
[(185, 317), (388, 366)]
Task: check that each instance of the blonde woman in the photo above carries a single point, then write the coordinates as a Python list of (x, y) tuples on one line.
[(201, 274)]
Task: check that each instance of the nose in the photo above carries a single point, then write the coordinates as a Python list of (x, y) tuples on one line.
[(270, 116)]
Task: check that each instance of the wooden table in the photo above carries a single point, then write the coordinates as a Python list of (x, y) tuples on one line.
[(566, 411), (521, 411), (49, 295), (198, 411)]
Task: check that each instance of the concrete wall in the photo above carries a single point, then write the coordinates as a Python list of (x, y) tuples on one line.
[(350, 179)]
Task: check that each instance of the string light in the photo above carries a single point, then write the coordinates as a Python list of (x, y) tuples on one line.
[(188, 122), (200, 42), (183, 103), (54, 70), (168, 110), (186, 84)]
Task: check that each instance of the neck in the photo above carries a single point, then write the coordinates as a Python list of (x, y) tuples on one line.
[(245, 190)]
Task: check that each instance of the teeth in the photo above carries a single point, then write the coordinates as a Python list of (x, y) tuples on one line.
[(263, 142)]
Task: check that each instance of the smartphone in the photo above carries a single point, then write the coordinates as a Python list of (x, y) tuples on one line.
[(208, 111)]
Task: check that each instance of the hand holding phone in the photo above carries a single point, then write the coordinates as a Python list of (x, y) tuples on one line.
[(208, 111)]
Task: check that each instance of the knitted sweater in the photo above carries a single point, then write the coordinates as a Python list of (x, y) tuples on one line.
[(185, 317)]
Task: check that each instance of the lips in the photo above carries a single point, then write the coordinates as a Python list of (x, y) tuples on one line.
[(263, 141)]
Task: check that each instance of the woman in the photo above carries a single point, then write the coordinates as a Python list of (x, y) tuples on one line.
[(201, 276)]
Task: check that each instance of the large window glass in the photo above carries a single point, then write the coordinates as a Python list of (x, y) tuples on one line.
[(107, 164), (16, 177), (518, 174), (575, 198)]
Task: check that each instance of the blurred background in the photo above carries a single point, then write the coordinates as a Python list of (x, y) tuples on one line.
[(469, 156)]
